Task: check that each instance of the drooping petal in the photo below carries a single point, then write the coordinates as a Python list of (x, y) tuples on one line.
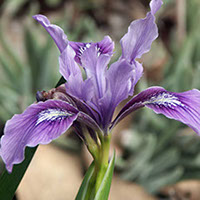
[(141, 33), (60, 93), (55, 32), (39, 124), (184, 107)]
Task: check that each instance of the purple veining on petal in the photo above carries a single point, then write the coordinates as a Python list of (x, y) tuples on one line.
[(105, 46), (79, 48), (165, 99), (52, 115), (95, 67), (183, 107), (89, 121), (85, 108), (92, 101), (118, 77), (137, 102), (39, 124)]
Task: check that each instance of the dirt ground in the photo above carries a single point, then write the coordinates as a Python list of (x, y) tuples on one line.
[(55, 174)]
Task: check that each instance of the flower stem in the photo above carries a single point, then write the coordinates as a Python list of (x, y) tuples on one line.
[(102, 164)]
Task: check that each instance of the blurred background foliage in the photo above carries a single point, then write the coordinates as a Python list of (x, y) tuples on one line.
[(159, 151), (155, 151)]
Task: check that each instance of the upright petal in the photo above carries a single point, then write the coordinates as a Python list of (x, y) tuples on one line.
[(141, 33), (55, 31), (68, 67), (184, 107), (138, 72), (95, 67), (105, 46), (79, 48), (39, 124), (119, 78), (72, 73), (155, 6)]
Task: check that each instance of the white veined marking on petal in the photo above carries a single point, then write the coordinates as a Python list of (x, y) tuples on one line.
[(82, 49), (88, 45), (98, 51), (164, 99), (51, 115)]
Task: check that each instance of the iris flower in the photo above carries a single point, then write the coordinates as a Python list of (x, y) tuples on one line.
[(87, 104)]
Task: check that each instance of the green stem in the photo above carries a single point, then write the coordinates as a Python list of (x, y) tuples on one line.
[(102, 164)]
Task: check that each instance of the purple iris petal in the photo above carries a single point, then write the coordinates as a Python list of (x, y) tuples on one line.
[(92, 101), (141, 33), (55, 32), (155, 5), (79, 48), (70, 70), (83, 107), (95, 67), (105, 46), (72, 73), (67, 65), (89, 121), (39, 124), (119, 78), (95, 86), (138, 72), (119, 84), (183, 107)]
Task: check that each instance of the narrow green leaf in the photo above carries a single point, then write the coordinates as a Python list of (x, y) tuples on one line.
[(61, 81), (85, 184), (10, 182), (104, 188)]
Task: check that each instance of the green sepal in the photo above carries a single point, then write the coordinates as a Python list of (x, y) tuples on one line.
[(104, 189), (83, 190), (10, 182)]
